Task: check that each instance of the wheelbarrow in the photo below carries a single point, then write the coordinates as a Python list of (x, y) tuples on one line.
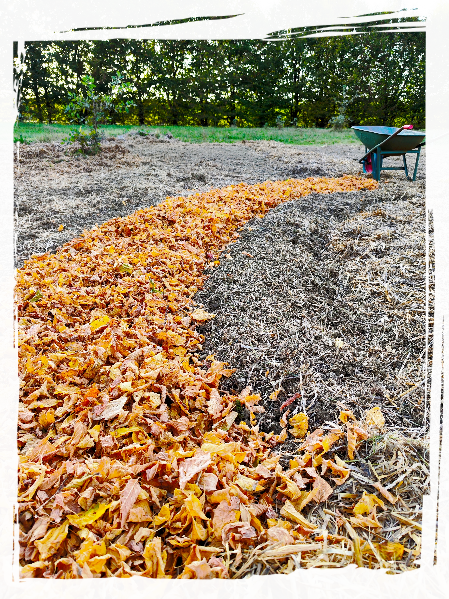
[(382, 142)]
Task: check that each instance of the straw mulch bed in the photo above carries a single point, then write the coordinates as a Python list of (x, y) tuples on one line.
[(325, 297), (141, 454)]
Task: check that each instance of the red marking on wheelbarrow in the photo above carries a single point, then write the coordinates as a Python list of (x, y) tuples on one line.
[(368, 165)]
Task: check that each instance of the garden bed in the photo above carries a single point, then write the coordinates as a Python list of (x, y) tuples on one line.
[(319, 306)]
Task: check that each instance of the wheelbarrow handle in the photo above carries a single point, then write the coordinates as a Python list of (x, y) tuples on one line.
[(385, 140), (430, 141)]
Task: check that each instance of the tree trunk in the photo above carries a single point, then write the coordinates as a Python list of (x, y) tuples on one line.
[(48, 106), (140, 108)]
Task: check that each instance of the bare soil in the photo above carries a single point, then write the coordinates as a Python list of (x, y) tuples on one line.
[(323, 298)]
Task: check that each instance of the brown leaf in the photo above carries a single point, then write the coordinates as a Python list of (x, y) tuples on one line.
[(191, 466), (127, 499), (215, 404), (112, 409), (223, 514), (208, 481), (324, 489), (237, 533), (278, 534)]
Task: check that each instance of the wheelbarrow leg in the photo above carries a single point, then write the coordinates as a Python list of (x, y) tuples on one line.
[(378, 163), (405, 166), (416, 163)]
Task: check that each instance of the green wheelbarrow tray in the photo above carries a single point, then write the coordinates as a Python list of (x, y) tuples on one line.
[(406, 140), (381, 142)]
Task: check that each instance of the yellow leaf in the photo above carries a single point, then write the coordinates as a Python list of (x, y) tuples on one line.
[(201, 315), (61, 228), (199, 533), (194, 507), (46, 418), (155, 558), (89, 549), (125, 267), (125, 430), (95, 432), (289, 488), (83, 518), (99, 322), (126, 387), (52, 540), (366, 521), (375, 417), (300, 424), (220, 448), (162, 517), (346, 415), (366, 503), (97, 564), (391, 551), (248, 484), (288, 511)]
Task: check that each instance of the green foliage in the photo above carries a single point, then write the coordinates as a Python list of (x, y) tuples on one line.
[(288, 135), (92, 107), (21, 139), (239, 408), (88, 142), (342, 120), (246, 83)]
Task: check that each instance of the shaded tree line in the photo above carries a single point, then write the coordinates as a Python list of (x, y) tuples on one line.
[(374, 78)]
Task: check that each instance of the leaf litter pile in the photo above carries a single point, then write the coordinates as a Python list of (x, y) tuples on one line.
[(136, 458)]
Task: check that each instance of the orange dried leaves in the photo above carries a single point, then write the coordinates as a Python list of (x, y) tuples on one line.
[(116, 413)]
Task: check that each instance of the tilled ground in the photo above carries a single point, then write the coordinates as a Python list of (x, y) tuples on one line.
[(323, 298)]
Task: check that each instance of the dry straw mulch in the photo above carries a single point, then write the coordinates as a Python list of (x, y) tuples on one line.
[(133, 459)]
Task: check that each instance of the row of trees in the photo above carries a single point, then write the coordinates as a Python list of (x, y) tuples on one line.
[(368, 79)]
